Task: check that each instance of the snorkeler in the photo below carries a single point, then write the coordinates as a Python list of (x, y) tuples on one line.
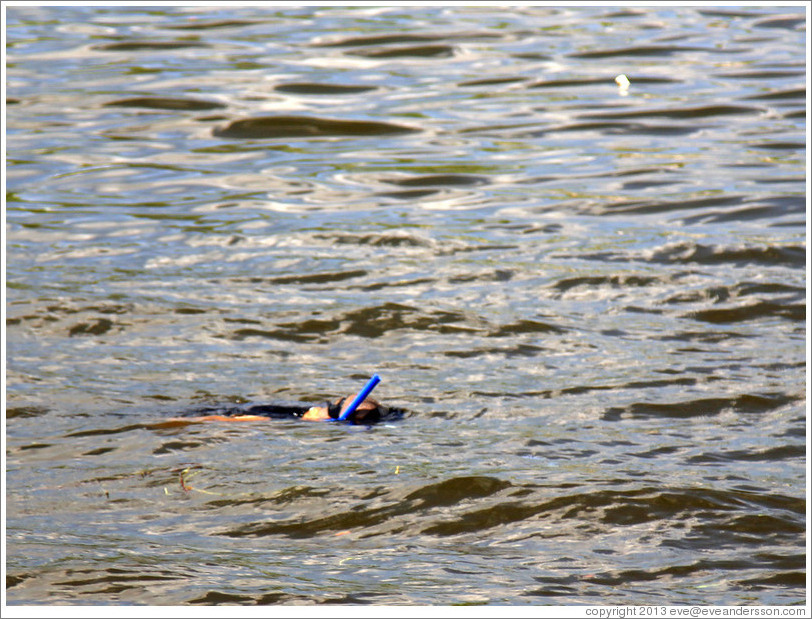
[(358, 409)]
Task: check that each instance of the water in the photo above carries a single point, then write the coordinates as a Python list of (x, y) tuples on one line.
[(591, 300)]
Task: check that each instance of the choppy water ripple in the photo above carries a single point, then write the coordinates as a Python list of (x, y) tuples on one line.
[(590, 299)]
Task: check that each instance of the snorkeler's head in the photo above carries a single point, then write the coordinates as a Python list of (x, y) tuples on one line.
[(368, 412)]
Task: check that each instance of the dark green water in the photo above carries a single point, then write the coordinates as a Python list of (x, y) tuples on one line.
[(591, 300)]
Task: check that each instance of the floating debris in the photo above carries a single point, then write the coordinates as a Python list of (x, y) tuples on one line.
[(623, 84)]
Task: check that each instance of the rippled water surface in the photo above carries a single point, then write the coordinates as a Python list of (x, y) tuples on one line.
[(591, 299)]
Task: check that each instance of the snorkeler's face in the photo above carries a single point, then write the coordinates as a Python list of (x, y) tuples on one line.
[(367, 412)]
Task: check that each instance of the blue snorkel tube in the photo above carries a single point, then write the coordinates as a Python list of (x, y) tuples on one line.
[(362, 395)]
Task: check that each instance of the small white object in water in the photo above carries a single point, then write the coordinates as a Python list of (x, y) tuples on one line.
[(623, 83)]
